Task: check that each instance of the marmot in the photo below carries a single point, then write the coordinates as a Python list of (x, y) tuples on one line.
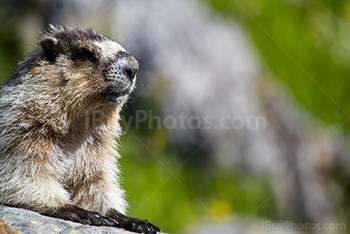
[(59, 115)]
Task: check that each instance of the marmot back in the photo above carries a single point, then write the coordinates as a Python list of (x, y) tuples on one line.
[(59, 115)]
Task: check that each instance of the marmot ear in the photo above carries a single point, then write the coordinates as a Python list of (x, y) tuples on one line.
[(49, 47)]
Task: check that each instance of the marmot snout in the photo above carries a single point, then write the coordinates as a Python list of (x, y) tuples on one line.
[(52, 160), (121, 76)]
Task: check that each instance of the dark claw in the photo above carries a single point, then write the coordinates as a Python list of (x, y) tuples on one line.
[(85, 221), (99, 220), (110, 221), (95, 219), (115, 222)]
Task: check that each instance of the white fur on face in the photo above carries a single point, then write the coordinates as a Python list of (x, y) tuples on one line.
[(109, 49)]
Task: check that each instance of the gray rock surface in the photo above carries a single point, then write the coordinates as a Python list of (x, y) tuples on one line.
[(29, 222)]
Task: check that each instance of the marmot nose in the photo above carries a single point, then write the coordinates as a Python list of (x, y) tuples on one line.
[(130, 66)]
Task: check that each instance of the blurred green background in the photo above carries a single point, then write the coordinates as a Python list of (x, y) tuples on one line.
[(304, 44)]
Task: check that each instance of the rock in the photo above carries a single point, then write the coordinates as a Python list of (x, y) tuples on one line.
[(17, 220)]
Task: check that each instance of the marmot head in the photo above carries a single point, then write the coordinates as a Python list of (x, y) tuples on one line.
[(84, 65), (73, 73)]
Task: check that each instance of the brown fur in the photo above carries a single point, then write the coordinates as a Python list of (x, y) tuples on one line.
[(59, 116)]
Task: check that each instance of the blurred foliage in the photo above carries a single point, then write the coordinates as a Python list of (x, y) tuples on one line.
[(163, 190), (11, 42), (306, 45)]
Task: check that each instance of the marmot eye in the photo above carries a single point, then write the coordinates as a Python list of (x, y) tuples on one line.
[(85, 55)]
